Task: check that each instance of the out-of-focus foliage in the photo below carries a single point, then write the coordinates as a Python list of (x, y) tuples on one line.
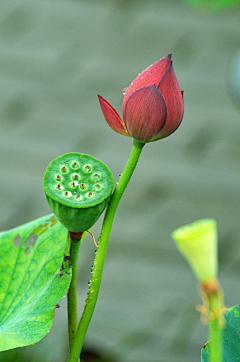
[(235, 79), (213, 4), (231, 338)]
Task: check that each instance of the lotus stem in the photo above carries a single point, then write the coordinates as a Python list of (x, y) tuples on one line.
[(102, 250), (72, 293), (214, 297)]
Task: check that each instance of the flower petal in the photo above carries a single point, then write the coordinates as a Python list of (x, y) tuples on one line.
[(173, 96), (146, 113), (151, 75), (112, 117)]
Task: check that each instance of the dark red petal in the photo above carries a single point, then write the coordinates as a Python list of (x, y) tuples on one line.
[(173, 97), (146, 113), (151, 75), (112, 117)]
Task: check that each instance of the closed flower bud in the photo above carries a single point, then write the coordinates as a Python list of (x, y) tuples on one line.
[(152, 105), (198, 244)]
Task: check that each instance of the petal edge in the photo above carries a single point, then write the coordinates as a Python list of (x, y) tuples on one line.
[(151, 75), (112, 117)]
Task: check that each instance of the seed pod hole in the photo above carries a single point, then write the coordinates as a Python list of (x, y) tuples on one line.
[(97, 187), (75, 165), (78, 197), (67, 194), (75, 177), (90, 194), (58, 178), (96, 176), (74, 184), (87, 168), (82, 186), (59, 187), (64, 169)]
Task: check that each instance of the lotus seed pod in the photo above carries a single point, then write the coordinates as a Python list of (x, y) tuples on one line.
[(77, 188), (198, 244)]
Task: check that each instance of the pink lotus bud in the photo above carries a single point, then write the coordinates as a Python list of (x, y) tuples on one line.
[(152, 105)]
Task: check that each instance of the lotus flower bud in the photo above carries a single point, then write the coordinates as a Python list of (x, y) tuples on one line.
[(152, 105)]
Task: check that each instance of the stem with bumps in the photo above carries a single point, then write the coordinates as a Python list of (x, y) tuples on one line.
[(102, 251), (72, 293)]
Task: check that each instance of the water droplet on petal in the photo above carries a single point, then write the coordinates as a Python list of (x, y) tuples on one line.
[(124, 91)]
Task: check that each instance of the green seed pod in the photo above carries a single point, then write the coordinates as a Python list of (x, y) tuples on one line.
[(77, 188), (198, 244)]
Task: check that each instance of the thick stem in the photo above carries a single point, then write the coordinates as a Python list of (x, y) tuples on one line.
[(102, 250), (72, 293)]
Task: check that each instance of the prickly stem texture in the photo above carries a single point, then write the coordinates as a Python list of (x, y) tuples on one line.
[(102, 250)]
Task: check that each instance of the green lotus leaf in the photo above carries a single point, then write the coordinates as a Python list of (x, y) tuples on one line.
[(35, 275), (231, 337)]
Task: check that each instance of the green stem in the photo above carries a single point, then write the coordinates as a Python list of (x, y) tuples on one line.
[(72, 293), (216, 325), (102, 250)]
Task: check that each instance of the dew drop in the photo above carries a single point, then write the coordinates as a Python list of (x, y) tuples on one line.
[(124, 91)]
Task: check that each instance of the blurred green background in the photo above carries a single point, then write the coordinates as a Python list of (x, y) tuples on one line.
[(55, 57)]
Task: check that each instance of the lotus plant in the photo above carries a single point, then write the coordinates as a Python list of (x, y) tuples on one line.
[(152, 105), (78, 189)]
